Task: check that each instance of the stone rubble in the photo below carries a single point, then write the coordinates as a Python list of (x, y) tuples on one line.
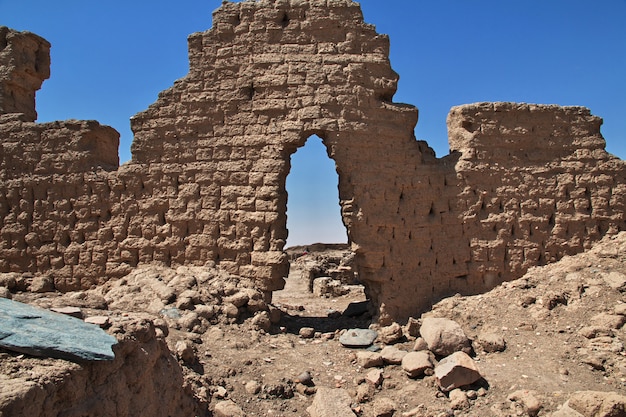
[(370, 387)]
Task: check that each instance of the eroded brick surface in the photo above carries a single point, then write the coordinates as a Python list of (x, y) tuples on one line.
[(524, 185)]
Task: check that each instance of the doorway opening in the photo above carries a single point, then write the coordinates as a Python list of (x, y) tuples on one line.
[(313, 214), (322, 282)]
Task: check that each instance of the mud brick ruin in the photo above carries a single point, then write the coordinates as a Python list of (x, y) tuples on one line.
[(524, 184)]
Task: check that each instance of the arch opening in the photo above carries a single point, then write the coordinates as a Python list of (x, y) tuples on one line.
[(322, 281), (313, 212)]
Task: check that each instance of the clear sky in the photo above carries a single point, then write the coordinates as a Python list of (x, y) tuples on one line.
[(111, 58)]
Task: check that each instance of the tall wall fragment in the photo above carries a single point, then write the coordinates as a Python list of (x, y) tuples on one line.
[(25, 59), (523, 185)]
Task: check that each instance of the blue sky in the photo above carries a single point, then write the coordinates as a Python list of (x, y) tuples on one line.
[(110, 60)]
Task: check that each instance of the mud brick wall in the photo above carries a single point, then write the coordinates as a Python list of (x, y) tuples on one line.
[(537, 184), (264, 79), (524, 184), (55, 199)]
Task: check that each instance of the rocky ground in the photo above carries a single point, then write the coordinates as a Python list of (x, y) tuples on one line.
[(551, 337)]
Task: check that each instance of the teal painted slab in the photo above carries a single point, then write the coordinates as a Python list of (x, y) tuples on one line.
[(38, 332)]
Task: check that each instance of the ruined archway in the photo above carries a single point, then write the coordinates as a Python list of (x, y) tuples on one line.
[(332, 79), (320, 259), (524, 185)]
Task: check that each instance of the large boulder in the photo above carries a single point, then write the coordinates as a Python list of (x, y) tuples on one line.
[(39, 332), (444, 336)]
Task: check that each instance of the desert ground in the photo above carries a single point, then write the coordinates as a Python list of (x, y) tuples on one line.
[(538, 341)]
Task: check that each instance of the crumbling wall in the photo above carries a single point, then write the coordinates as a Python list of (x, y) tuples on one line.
[(25, 59), (144, 379), (274, 74), (524, 184), (537, 182)]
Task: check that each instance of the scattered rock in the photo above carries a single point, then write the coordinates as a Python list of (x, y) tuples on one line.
[(412, 327), (598, 404), (262, 321), (220, 392), (230, 310), (390, 334), (282, 389), (358, 337), (553, 299), (184, 303), (416, 364), (392, 355), (254, 305), (456, 370), (365, 392), (42, 283), (307, 332), (304, 378), (238, 299), (102, 321), (458, 399), (384, 407), (420, 344), (375, 377), (330, 402), (368, 359), (253, 387), (527, 301), (40, 332), (444, 336), (185, 351), (68, 311), (528, 399), (190, 321), (228, 408), (305, 389)]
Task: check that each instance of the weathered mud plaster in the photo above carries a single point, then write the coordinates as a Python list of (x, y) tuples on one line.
[(524, 184)]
